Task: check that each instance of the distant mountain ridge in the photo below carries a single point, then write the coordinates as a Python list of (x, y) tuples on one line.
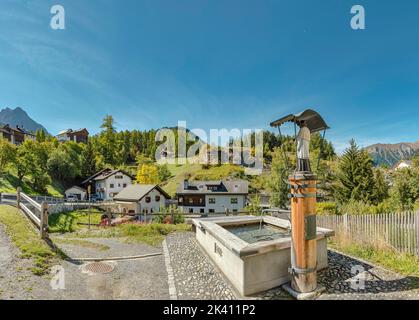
[(390, 154), (19, 117)]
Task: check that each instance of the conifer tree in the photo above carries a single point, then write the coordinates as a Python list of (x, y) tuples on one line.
[(355, 176), (88, 161)]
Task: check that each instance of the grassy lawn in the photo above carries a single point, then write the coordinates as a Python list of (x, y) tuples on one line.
[(405, 264), (25, 237), (151, 234), (68, 221), (195, 172)]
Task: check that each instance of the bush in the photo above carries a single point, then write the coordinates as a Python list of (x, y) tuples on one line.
[(326, 208), (179, 218), (355, 207)]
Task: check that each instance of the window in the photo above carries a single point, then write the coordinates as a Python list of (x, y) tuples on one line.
[(157, 198), (119, 177), (211, 200), (112, 185), (202, 210), (190, 210), (147, 199), (235, 210), (119, 185), (124, 185), (151, 210), (211, 210), (234, 200)]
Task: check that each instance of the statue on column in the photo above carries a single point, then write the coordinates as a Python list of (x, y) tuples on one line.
[(303, 148)]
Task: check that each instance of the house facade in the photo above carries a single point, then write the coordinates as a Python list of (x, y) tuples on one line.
[(108, 183), (403, 164), (15, 135), (205, 197), (141, 199), (79, 136)]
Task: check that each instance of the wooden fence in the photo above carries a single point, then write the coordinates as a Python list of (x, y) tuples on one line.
[(37, 213), (398, 230)]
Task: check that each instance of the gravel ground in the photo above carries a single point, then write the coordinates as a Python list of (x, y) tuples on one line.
[(16, 280), (339, 280), (116, 248), (134, 279), (197, 278)]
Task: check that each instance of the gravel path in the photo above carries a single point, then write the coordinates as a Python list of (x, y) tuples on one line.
[(106, 247), (196, 277), (133, 279), (16, 279)]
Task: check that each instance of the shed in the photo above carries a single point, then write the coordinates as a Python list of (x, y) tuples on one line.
[(79, 192)]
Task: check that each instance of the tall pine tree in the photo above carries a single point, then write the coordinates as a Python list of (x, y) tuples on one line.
[(355, 176), (88, 161)]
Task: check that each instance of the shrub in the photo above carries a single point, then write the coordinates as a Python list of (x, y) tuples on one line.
[(326, 208)]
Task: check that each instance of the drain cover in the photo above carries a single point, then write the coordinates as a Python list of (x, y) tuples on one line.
[(98, 267)]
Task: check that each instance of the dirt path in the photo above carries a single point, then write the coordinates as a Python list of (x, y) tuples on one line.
[(133, 279)]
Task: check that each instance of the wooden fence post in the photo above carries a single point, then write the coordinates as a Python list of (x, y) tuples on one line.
[(18, 191), (417, 231), (44, 220), (172, 216)]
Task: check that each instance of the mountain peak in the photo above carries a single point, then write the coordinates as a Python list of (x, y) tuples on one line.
[(390, 154), (19, 117)]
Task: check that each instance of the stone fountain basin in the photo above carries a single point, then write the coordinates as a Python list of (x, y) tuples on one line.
[(252, 267)]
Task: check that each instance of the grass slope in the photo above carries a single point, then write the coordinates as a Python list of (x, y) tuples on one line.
[(196, 172), (24, 236), (9, 183), (68, 221)]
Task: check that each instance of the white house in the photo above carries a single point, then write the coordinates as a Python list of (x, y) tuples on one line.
[(79, 192), (212, 196), (108, 183), (141, 198), (402, 164)]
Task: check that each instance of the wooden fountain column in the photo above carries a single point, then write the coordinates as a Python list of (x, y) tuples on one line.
[(303, 232)]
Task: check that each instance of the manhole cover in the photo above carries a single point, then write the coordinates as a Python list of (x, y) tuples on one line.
[(98, 267)]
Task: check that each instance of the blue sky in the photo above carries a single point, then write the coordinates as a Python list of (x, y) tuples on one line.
[(215, 64)]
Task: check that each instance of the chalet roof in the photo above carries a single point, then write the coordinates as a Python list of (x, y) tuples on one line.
[(224, 187), (314, 121), (104, 174), (68, 131), (136, 192), (7, 128)]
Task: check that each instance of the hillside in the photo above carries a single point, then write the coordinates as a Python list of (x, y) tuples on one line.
[(9, 183), (390, 154), (196, 172), (19, 117)]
